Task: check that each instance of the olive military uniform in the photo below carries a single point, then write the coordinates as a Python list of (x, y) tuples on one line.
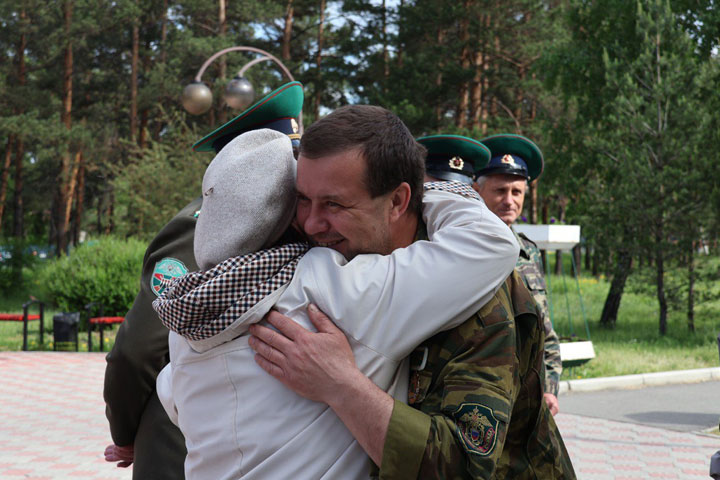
[(141, 351), (477, 406), (530, 268)]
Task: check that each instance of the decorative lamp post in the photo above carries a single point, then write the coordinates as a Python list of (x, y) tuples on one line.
[(239, 92)]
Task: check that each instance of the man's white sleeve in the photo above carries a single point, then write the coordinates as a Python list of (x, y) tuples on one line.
[(392, 303)]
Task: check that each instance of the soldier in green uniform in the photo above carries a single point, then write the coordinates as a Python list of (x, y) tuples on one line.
[(476, 406), (502, 183), (141, 430)]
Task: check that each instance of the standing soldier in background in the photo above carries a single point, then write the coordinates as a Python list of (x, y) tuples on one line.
[(502, 183), (141, 430)]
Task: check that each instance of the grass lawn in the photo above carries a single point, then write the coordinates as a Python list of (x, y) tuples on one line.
[(634, 345)]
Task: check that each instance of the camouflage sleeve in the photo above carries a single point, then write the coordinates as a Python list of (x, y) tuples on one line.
[(534, 277), (553, 363), (461, 427), (141, 347)]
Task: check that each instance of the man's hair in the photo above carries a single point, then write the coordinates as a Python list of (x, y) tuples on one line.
[(391, 154)]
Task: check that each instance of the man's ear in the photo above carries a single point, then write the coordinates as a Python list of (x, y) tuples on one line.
[(399, 201)]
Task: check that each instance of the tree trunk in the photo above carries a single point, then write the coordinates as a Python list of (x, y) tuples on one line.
[(163, 32), (110, 224), (476, 90), (386, 55), (72, 185), (577, 256), (134, 60), (543, 253), (562, 203), (399, 57), (461, 110), (691, 288), (660, 277), (596, 263), (19, 220), (519, 96), (5, 175), (608, 318), (64, 182), (588, 256), (222, 61), (485, 82), (79, 199), (287, 31), (318, 62), (439, 77)]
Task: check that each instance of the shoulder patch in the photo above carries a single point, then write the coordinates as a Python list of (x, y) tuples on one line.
[(477, 428), (164, 272)]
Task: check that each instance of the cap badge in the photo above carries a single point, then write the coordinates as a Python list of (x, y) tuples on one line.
[(508, 159), (294, 125), (456, 163)]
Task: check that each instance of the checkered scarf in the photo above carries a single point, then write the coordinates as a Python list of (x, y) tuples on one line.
[(453, 187), (199, 305)]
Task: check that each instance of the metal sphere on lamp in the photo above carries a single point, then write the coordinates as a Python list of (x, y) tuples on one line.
[(239, 93), (197, 98)]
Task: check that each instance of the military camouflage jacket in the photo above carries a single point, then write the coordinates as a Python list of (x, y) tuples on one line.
[(530, 267), (477, 407)]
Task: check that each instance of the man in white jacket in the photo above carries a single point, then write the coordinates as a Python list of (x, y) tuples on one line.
[(237, 421)]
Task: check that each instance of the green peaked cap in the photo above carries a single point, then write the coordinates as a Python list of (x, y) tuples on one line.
[(278, 110), (454, 157), (514, 155)]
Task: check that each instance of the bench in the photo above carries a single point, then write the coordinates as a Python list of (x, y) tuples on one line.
[(100, 322), (25, 318)]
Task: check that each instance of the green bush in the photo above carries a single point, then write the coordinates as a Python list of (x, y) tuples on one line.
[(106, 270)]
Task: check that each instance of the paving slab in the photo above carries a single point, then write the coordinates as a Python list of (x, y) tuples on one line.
[(53, 422), (53, 426)]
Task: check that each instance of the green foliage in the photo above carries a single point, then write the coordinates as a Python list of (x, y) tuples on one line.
[(105, 270), (157, 182), (17, 259)]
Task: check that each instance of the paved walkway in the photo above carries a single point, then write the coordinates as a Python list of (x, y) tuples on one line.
[(52, 426)]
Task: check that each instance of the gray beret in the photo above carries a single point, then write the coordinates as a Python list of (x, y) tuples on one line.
[(248, 197)]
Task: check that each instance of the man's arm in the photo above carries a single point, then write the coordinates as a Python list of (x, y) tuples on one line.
[(468, 256), (320, 366), (406, 442)]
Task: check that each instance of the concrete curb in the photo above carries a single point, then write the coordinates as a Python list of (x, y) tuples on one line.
[(641, 380)]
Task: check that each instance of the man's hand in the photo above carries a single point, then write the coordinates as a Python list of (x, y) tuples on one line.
[(123, 455), (321, 367), (313, 365), (552, 403)]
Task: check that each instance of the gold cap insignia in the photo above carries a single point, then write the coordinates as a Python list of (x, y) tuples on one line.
[(457, 163), (508, 159), (294, 125)]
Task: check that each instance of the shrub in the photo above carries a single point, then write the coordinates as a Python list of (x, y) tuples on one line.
[(106, 270)]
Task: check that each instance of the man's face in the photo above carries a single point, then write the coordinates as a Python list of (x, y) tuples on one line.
[(335, 209), (503, 195)]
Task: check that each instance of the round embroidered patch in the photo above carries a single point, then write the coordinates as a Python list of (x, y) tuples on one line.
[(476, 427), (164, 272)]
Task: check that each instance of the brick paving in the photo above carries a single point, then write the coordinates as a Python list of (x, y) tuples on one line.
[(52, 426)]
